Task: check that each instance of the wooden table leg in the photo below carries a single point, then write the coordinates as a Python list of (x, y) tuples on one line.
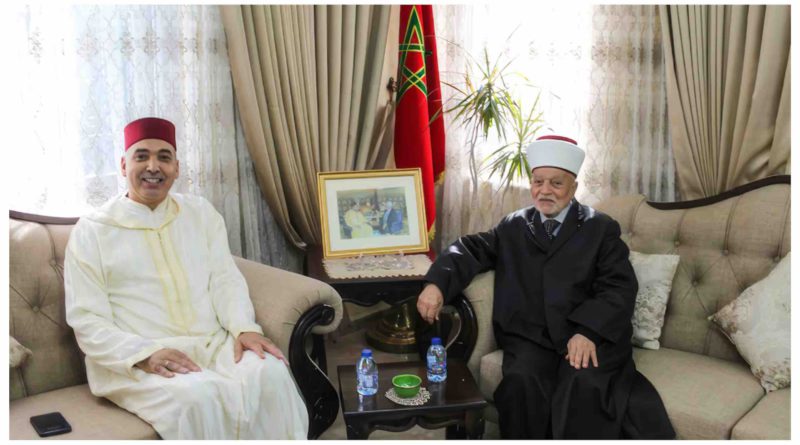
[(455, 432), (474, 424), (357, 430)]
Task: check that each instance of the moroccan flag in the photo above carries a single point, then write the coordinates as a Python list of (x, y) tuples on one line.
[(418, 125), (435, 110)]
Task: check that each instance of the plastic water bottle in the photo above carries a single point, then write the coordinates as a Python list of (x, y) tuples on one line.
[(437, 361), (367, 374)]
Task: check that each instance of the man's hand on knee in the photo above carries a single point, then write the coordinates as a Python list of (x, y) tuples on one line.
[(166, 362), (257, 343), (430, 302), (580, 350)]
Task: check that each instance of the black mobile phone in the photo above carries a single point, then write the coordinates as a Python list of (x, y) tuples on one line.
[(50, 424)]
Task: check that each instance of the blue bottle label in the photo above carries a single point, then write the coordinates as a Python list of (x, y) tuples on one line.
[(367, 380), (435, 366)]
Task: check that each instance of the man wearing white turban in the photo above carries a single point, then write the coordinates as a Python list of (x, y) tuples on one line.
[(564, 294)]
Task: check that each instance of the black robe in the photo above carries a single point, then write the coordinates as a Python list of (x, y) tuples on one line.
[(544, 293)]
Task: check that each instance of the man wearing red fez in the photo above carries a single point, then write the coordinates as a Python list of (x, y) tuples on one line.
[(564, 293), (163, 313)]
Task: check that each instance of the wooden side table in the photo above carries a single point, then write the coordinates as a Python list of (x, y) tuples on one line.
[(397, 337), (456, 403)]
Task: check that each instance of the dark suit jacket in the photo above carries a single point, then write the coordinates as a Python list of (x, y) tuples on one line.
[(392, 221), (547, 291)]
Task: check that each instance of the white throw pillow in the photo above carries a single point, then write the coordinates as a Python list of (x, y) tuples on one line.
[(758, 323), (17, 353), (654, 272)]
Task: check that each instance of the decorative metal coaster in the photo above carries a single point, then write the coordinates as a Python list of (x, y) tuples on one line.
[(421, 398)]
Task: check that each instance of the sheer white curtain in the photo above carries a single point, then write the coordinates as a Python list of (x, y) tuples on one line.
[(83, 71), (599, 73), (626, 127)]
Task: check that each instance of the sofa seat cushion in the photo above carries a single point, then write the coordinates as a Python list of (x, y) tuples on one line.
[(704, 396), (90, 417), (770, 419)]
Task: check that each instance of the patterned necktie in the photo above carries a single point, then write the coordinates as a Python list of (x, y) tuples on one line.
[(549, 227)]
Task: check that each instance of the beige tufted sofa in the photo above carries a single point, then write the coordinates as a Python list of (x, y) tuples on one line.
[(726, 243), (290, 307)]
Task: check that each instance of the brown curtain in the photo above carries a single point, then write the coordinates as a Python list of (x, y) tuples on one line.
[(728, 87), (307, 81)]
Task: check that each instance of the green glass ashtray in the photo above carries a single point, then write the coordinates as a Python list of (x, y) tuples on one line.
[(406, 385)]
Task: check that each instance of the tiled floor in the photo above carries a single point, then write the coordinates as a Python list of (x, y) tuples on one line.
[(346, 349)]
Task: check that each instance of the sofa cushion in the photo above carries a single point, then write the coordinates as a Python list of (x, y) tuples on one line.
[(654, 274), (770, 419), (491, 373), (696, 389), (90, 417), (480, 293), (704, 396), (759, 324), (17, 353)]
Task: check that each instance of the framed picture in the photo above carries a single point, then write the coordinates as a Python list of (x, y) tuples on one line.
[(372, 212)]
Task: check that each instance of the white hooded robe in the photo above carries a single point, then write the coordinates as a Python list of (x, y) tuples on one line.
[(138, 280)]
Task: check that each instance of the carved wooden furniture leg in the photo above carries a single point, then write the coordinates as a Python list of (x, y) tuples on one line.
[(320, 396)]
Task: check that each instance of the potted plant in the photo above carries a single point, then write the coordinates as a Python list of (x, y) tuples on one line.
[(510, 161), (487, 104)]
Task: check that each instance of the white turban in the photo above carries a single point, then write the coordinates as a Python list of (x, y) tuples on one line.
[(555, 151)]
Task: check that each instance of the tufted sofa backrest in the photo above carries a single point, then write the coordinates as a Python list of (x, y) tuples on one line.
[(36, 300), (726, 243)]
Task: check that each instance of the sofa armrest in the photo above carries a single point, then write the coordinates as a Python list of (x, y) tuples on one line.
[(290, 307), (281, 297), (480, 295)]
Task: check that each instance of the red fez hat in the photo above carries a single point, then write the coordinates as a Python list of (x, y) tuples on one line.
[(149, 128)]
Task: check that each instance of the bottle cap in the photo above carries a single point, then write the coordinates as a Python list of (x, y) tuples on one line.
[(366, 352), (436, 341)]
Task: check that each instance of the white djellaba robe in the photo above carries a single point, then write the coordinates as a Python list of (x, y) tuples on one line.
[(138, 280)]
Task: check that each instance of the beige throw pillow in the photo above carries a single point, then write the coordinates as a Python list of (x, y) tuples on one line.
[(758, 323), (18, 353), (654, 273)]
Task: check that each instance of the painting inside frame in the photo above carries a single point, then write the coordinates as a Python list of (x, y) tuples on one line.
[(372, 212)]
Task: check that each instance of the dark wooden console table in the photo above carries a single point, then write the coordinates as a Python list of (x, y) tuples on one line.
[(394, 291)]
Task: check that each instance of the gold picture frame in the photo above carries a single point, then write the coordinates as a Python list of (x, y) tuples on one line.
[(372, 212)]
